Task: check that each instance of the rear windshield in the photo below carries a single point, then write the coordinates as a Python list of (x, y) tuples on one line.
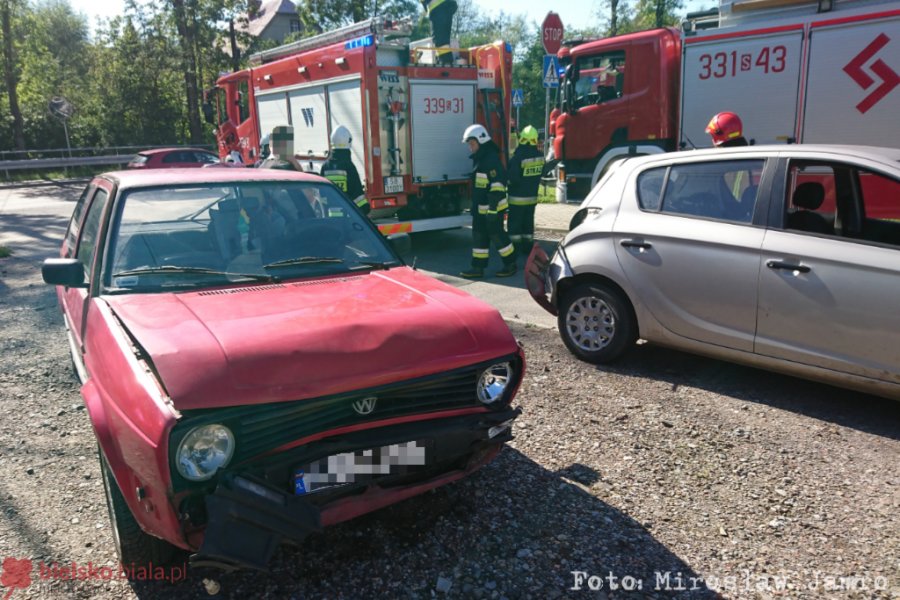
[(138, 160)]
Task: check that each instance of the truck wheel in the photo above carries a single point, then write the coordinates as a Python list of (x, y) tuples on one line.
[(596, 323), (134, 546)]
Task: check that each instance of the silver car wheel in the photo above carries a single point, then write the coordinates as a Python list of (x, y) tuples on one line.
[(590, 323)]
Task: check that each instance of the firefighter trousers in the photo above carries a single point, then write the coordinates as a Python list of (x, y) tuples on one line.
[(487, 228), (521, 224)]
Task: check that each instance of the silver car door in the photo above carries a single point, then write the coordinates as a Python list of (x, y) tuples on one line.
[(830, 298), (690, 251)]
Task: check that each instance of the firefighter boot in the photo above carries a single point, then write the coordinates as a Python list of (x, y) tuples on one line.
[(472, 273), (507, 271)]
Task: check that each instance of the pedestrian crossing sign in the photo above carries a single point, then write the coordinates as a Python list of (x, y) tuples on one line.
[(550, 71), (518, 98)]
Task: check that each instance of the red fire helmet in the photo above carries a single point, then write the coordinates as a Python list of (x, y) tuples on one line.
[(725, 127)]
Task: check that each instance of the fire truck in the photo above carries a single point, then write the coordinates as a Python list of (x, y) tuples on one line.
[(793, 70), (405, 110)]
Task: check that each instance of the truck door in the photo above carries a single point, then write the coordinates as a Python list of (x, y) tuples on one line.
[(272, 111), (753, 74), (440, 112), (853, 88), (345, 108), (310, 114)]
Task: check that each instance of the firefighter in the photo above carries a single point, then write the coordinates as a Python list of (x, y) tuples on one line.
[(340, 170), (488, 205), (726, 130), (440, 13), (525, 171)]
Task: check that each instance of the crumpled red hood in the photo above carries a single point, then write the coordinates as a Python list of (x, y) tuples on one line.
[(270, 343)]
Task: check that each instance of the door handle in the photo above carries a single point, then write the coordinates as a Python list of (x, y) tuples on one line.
[(786, 266), (636, 244)]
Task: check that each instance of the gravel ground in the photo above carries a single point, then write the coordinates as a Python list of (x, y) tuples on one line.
[(663, 468)]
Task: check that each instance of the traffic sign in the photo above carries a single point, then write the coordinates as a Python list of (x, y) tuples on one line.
[(518, 99), (550, 71), (552, 33)]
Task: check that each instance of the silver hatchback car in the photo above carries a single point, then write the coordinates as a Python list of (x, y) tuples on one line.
[(780, 257)]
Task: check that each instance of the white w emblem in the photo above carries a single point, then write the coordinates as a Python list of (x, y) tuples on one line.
[(365, 406)]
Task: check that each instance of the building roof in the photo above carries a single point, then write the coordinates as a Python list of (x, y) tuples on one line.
[(268, 10)]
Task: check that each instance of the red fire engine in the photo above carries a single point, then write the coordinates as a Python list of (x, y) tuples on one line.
[(406, 114), (793, 70)]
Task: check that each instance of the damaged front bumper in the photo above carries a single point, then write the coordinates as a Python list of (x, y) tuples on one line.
[(248, 517), (541, 275)]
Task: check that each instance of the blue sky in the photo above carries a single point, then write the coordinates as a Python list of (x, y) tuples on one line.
[(571, 13)]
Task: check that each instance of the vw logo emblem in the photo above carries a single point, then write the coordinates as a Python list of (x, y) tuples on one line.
[(365, 406)]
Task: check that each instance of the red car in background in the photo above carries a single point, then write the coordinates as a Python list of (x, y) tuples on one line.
[(258, 362), (168, 158)]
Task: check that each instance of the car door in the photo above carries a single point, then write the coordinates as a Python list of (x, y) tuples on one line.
[(828, 297), (688, 246), (87, 247)]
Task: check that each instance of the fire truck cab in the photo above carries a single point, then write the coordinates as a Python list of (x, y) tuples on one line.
[(406, 114), (825, 71)]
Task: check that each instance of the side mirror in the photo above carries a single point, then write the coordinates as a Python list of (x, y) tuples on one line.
[(401, 243), (569, 90), (67, 272), (209, 114)]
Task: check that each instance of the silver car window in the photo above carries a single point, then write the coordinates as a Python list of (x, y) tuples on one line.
[(722, 190)]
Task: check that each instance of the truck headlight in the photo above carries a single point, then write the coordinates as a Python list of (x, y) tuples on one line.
[(203, 451), (493, 382)]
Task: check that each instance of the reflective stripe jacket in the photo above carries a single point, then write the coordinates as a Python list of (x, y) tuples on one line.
[(525, 170), (340, 171), (488, 178)]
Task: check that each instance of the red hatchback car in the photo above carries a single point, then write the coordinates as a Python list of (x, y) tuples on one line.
[(171, 158), (257, 361)]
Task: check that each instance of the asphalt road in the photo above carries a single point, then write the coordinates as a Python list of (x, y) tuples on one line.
[(33, 220)]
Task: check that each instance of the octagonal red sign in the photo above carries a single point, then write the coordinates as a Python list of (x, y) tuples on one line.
[(552, 33)]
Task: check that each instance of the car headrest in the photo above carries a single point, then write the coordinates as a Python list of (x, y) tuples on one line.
[(809, 195)]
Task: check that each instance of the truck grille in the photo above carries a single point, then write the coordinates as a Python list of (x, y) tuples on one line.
[(263, 427)]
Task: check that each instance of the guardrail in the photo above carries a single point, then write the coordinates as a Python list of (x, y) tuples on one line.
[(121, 155)]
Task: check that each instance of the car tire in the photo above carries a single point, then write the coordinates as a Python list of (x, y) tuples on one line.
[(596, 323), (135, 547)]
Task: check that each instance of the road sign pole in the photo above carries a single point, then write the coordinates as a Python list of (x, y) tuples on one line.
[(547, 114)]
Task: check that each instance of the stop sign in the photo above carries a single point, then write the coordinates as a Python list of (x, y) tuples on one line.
[(552, 33)]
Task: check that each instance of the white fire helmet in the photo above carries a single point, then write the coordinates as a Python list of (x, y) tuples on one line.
[(478, 132), (340, 137)]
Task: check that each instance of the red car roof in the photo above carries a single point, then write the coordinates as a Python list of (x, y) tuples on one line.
[(155, 151)]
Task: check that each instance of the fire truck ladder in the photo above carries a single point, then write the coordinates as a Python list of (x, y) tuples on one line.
[(380, 27)]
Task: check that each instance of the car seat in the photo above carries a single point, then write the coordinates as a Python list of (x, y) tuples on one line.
[(808, 198)]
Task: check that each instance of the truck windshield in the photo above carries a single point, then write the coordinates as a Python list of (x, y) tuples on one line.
[(199, 236)]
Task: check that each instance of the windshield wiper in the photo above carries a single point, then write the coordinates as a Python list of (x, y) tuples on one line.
[(375, 264), (174, 269), (303, 260)]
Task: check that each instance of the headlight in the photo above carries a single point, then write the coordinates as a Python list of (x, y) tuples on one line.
[(494, 381), (203, 451)]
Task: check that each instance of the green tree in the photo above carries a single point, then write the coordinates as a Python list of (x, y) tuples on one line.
[(11, 37)]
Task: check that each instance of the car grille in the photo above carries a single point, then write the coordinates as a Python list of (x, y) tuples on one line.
[(263, 427)]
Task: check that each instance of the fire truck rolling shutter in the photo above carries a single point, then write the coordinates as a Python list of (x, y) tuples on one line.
[(842, 60), (310, 122), (345, 104), (273, 112), (440, 112), (757, 77)]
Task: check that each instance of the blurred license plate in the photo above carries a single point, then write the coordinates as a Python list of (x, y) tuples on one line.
[(393, 185), (359, 466)]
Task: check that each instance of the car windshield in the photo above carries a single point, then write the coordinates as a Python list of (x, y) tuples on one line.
[(209, 235)]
